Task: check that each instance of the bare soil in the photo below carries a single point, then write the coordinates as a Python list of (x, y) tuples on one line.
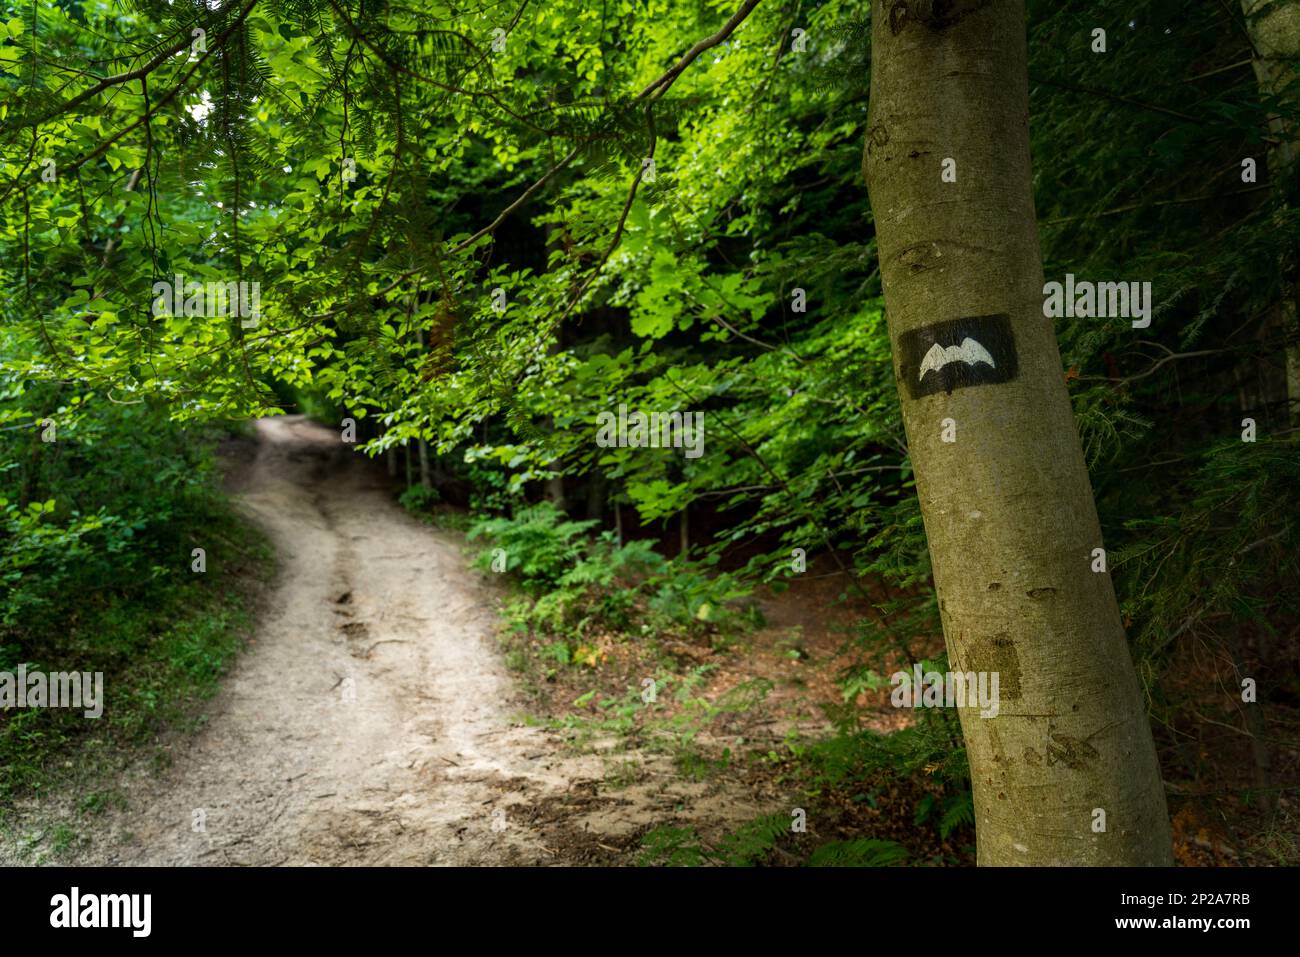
[(371, 720)]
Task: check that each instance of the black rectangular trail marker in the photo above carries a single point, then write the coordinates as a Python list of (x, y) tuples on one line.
[(979, 350)]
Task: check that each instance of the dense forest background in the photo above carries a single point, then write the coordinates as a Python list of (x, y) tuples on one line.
[(461, 247)]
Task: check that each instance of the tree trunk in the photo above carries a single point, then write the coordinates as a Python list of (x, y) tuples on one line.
[(1275, 39), (555, 484), (1008, 508), (1253, 714), (597, 490), (425, 479), (555, 491)]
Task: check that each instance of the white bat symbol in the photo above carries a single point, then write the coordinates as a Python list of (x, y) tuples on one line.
[(969, 352)]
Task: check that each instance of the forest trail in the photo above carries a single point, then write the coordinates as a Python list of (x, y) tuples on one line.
[(369, 720)]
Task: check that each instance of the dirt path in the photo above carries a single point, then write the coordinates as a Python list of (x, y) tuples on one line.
[(371, 720), (369, 723)]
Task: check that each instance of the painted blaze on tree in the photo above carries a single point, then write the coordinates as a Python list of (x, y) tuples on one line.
[(951, 355), (1066, 773)]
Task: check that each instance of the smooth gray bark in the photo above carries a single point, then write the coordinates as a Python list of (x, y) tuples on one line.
[(1008, 507)]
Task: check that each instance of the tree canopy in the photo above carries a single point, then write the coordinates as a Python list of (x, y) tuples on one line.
[(480, 225)]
